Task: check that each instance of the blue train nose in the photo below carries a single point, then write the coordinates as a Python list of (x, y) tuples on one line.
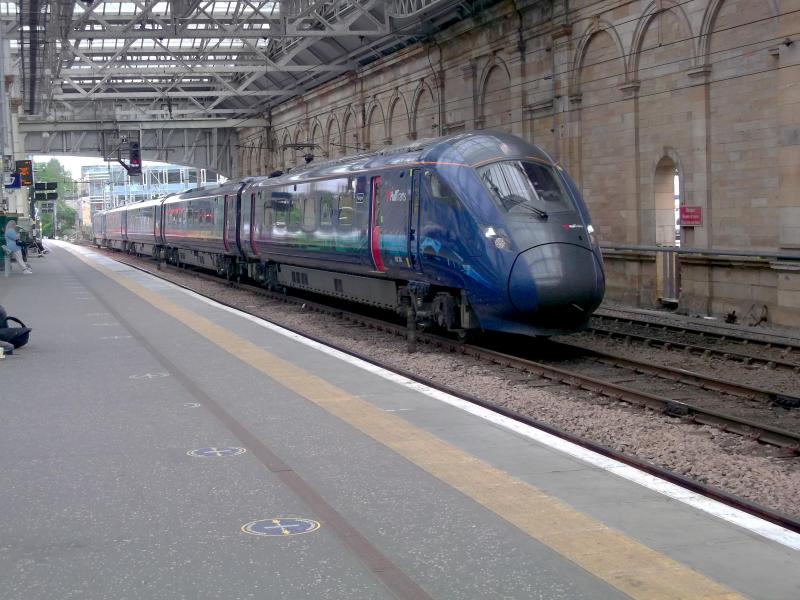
[(556, 284)]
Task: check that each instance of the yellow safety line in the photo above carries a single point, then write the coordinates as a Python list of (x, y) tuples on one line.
[(625, 564)]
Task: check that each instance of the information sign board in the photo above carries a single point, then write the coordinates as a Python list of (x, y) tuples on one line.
[(25, 170), (691, 216)]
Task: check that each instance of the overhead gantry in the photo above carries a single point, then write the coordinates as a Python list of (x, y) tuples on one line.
[(185, 75)]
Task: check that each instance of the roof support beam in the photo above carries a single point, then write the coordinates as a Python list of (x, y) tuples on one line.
[(194, 94)]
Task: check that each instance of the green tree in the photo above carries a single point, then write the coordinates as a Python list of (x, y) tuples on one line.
[(66, 220), (51, 171)]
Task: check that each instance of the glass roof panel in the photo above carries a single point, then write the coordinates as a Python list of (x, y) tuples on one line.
[(8, 8)]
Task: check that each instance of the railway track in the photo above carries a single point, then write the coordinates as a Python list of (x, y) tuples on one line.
[(788, 440), (576, 377), (771, 354)]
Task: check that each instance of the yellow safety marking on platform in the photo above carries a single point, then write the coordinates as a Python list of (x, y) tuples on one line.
[(627, 565)]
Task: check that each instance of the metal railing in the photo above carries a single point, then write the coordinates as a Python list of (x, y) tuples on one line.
[(668, 262), (704, 251)]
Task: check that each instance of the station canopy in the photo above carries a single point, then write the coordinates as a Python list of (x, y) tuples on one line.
[(195, 59)]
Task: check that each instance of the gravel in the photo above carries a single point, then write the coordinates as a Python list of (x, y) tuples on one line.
[(730, 462)]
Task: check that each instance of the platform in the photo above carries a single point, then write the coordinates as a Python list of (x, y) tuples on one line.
[(155, 444)]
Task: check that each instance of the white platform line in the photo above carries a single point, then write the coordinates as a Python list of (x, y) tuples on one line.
[(740, 518)]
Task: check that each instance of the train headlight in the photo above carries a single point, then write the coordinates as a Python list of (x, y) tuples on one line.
[(500, 241), (592, 236)]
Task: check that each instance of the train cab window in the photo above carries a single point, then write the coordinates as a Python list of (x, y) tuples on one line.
[(525, 187), (438, 189)]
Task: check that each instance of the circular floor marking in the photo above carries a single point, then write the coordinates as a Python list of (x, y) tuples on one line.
[(221, 452), (280, 526), (149, 376)]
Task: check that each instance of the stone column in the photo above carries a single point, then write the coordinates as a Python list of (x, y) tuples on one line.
[(788, 309), (697, 276), (462, 115), (566, 102)]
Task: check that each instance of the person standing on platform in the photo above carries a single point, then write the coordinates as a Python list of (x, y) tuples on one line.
[(36, 238), (12, 247)]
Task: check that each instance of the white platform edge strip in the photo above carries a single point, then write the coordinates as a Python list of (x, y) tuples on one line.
[(742, 519)]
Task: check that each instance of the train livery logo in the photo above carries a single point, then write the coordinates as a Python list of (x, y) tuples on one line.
[(396, 196)]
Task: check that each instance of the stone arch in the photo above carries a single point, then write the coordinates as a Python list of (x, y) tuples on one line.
[(333, 136), (252, 165), (300, 137), (244, 157), (663, 231), (598, 27), (738, 36), (709, 22), (653, 11), (398, 126), (495, 83), (602, 108), (657, 208), (318, 139), (350, 138), (373, 130), (424, 112), (285, 154)]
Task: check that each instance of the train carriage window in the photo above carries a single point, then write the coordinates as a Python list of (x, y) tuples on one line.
[(345, 209), (219, 210), (280, 204), (326, 209), (439, 190), (309, 213), (295, 213), (378, 218), (360, 189)]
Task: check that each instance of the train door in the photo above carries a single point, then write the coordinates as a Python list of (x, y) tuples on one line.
[(413, 222), (229, 224), (246, 223), (157, 223), (375, 224), (255, 230)]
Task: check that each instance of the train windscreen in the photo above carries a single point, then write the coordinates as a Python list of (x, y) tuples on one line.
[(525, 187)]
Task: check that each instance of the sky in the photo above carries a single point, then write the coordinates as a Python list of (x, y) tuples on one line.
[(73, 164)]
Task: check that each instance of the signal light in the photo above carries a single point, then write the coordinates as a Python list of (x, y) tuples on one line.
[(135, 159)]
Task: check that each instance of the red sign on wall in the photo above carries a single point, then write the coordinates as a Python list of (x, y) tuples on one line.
[(691, 216)]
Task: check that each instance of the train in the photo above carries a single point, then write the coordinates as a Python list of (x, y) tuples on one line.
[(478, 231)]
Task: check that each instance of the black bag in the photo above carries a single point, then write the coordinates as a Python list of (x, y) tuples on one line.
[(16, 336)]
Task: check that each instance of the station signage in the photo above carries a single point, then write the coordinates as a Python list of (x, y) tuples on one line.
[(691, 216), (12, 181), (25, 170)]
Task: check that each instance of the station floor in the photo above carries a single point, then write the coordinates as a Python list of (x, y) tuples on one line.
[(154, 444)]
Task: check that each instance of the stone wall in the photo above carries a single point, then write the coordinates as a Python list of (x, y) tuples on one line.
[(622, 94)]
